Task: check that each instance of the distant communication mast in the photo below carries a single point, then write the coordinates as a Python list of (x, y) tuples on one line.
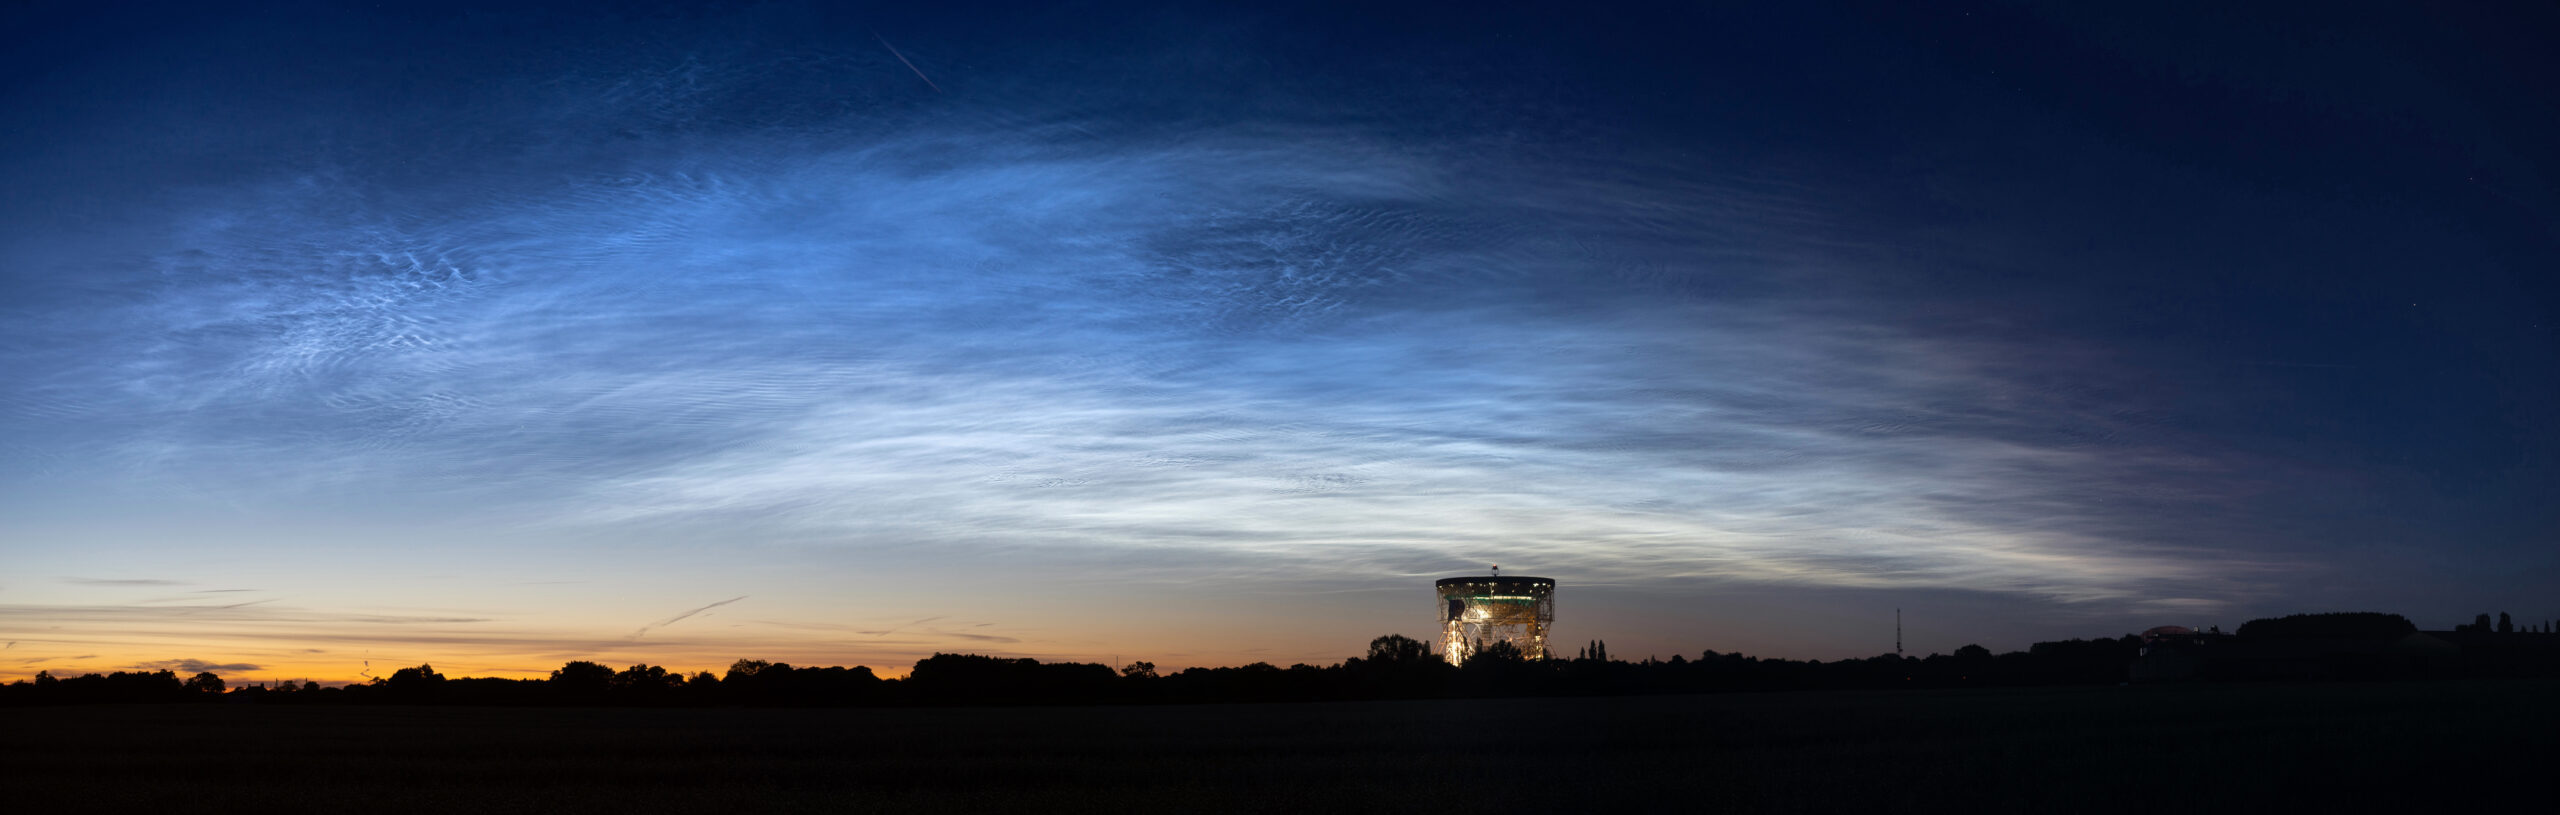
[(1479, 611)]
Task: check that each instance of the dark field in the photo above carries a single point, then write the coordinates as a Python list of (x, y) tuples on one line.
[(2412, 747)]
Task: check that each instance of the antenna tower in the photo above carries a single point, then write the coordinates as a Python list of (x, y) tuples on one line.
[(1479, 611)]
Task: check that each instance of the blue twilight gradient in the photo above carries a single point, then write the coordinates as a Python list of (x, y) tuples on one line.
[(488, 336)]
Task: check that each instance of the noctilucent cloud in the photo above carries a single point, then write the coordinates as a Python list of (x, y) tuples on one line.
[(341, 340)]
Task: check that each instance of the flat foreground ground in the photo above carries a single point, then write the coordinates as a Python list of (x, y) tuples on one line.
[(2352, 747)]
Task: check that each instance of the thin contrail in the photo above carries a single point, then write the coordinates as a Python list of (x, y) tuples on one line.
[(897, 629), (893, 51), (645, 629)]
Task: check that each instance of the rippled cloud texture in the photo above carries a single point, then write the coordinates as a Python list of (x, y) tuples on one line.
[(490, 338)]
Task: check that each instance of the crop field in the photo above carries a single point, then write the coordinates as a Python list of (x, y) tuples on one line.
[(2412, 746)]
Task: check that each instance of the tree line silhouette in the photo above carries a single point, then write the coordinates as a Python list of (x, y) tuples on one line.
[(1394, 667)]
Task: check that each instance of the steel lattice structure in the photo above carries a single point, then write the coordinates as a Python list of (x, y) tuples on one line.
[(1479, 611)]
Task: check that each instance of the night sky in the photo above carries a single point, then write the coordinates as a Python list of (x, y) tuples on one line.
[(338, 340)]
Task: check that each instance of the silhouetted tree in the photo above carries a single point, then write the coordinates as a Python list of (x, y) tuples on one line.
[(420, 674), (703, 689), (757, 682), (1398, 649), (205, 683), (2334, 625), (1499, 668), (960, 678), (645, 684), (413, 685), (156, 686), (580, 681), (746, 668), (1595, 651), (2480, 623), (2506, 625), (1497, 652), (1396, 667), (1139, 670), (834, 685)]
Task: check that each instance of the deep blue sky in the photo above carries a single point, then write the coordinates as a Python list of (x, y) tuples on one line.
[(500, 337)]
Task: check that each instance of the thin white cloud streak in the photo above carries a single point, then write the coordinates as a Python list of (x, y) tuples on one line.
[(224, 614)]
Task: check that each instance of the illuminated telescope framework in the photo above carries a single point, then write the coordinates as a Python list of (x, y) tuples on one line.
[(1479, 611)]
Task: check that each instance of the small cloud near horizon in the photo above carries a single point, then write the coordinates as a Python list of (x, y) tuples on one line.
[(192, 666)]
